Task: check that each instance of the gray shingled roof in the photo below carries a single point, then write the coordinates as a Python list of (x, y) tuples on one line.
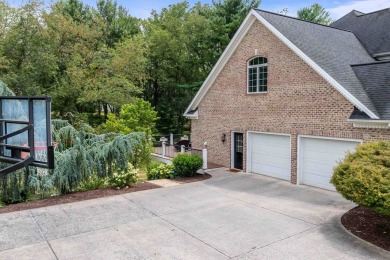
[(375, 78), (360, 115), (371, 29), (334, 50)]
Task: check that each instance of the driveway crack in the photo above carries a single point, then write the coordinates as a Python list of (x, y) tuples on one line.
[(43, 234), (172, 224), (277, 241), (274, 211)]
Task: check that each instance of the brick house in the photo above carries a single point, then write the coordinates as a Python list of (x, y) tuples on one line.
[(288, 98)]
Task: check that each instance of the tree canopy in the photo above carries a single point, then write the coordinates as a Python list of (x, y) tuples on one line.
[(315, 13), (95, 59)]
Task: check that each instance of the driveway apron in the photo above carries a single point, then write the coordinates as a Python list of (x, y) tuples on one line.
[(231, 215)]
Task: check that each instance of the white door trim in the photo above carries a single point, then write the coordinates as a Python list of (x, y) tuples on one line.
[(299, 150), (249, 148)]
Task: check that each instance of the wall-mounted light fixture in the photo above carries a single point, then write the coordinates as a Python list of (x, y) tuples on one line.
[(223, 137)]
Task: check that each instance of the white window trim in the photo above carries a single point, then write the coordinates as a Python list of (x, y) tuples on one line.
[(258, 75)]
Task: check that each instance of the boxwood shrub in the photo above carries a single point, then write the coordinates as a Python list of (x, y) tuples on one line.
[(364, 176), (187, 165)]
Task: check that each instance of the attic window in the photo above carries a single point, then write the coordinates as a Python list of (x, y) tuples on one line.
[(257, 75)]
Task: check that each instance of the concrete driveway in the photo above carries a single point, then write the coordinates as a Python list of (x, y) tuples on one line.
[(232, 215)]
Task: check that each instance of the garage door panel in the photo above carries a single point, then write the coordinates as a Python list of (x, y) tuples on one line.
[(318, 157), (270, 155), (323, 169), (275, 151), (272, 171), (256, 165), (324, 156), (329, 145), (318, 181), (267, 159)]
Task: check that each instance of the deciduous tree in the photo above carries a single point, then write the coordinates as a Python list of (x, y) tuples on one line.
[(315, 13)]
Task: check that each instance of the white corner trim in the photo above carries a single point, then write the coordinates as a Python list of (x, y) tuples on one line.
[(382, 124), (315, 66), (233, 44)]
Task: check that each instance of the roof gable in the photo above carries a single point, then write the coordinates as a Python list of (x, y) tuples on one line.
[(280, 27), (372, 29)]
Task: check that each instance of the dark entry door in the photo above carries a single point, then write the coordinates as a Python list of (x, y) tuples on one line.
[(238, 150)]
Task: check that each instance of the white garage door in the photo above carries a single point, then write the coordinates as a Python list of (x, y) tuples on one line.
[(318, 157), (270, 155)]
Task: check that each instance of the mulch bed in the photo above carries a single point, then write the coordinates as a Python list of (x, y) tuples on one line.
[(76, 196), (197, 177), (368, 225), (92, 194)]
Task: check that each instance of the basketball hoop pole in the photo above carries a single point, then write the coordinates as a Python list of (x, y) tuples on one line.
[(50, 147), (31, 142)]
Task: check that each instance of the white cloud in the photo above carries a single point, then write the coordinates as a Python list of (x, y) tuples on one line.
[(365, 6)]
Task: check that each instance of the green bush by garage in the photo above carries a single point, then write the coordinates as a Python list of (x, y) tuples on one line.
[(364, 176), (184, 165)]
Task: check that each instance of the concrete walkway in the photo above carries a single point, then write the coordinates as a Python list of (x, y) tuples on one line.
[(232, 215)]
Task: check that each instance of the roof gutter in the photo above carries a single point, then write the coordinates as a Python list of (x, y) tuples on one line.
[(382, 56), (382, 124), (192, 116)]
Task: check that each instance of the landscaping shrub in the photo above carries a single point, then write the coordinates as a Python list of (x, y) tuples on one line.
[(364, 176), (160, 171), (14, 187), (93, 183), (124, 178), (187, 165), (80, 155)]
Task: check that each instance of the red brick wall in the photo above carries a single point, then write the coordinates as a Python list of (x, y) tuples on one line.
[(298, 101)]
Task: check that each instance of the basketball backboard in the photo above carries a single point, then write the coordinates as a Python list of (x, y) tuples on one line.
[(25, 132)]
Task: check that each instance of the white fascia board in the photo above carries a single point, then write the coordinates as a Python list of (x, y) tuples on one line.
[(237, 38), (370, 123), (316, 67), (241, 32)]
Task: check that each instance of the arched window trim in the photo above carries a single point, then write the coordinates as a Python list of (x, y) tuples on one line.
[(257, 75)]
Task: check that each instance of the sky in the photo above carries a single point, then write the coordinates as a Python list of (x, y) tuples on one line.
[(337, 8)]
